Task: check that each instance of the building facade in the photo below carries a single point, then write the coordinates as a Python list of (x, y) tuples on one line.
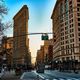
[(45, 54), (9, 47), (66, 29), (40, 55), (48, 51), (7, 51), (21, 42)]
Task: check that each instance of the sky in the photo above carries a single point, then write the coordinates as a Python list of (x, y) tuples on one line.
[(40, 12)]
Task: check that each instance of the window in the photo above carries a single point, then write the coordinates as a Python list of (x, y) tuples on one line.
[(66, 28), (67, 41), (79, 34), (66, 32), (79, 47), (78, 29), (78, 5), (71, 21), (72, 45), (62, 34), (62, 43), (70, 6), (62, 25), (66, 23), (66, 37), (62, 38), (70, 16), (62, 47), (78, 19), (67, 46), (78, 0), (71, 35), (72, 40), (62, 29), (70, 2), (78, 24), (71, 25), (78, 9), (71, 30), (70, 11), (79, 57), (78, 14), (71, 50)]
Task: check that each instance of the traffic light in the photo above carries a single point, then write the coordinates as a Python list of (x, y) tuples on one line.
[(44, 37)]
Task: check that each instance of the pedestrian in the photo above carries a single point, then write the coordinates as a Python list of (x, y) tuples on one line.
[(3, 71)]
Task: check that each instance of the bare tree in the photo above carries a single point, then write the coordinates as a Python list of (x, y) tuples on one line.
[(3, 11)]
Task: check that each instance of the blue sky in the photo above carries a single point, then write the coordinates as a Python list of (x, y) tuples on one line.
[(40, 12)]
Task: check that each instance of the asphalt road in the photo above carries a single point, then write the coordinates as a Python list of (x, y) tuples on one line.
[(33, 75), (55, 75)]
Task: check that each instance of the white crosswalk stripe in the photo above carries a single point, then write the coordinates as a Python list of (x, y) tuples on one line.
[(69, 79), (62, 79), (66, 79), (54, 79)]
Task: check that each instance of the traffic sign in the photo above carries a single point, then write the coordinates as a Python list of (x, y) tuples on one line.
[(45, 36)]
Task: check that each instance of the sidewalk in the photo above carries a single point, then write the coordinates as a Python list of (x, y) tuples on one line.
[(56, 73), (9, 75), (1, 74)]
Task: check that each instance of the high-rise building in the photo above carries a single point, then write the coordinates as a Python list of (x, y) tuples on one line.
[(21, 52), (66, 29)]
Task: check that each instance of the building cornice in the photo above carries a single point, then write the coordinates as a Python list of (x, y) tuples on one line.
[(57, 2), (24, 7)]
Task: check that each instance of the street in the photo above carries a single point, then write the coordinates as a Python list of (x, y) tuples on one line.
[(60, 75), (47, 75)]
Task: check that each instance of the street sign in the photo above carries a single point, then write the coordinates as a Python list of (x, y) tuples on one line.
[(45, 36)]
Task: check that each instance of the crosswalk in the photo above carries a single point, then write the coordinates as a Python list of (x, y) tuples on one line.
[(63, 79), (50, 77)]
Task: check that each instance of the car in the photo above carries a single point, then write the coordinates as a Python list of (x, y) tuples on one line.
[(40, 68)]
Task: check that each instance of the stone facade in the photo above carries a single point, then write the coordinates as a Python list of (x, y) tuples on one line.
[(66, 29), (21, 42)]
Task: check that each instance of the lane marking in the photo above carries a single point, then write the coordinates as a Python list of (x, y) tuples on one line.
[(22, 75), (39, 75)]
